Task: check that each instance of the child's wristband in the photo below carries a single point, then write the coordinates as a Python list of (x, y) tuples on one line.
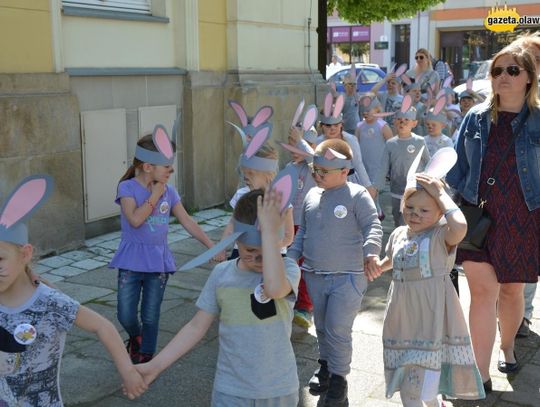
[(450, 211), (150, 203)]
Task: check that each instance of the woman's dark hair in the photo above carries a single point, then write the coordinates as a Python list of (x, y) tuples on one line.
[(147, 143), (245, 210)]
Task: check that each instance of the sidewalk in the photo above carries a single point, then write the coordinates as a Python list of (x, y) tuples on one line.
[(89, 378)]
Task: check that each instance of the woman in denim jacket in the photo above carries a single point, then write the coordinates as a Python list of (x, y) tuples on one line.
[(496, 275)]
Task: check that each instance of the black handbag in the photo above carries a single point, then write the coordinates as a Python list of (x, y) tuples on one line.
[(478, 220)]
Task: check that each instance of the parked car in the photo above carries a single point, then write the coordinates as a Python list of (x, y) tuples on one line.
[(481, 81), (368, 75)]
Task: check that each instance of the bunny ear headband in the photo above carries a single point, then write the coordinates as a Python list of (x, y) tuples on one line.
[(250, 125), (165, 152), (334, 116), (249, 158), (468, 92), (439, 165), (407, 111), (331, 158), (25, 198), (250, 235), (437, 114), (310, 117), (351, 75)]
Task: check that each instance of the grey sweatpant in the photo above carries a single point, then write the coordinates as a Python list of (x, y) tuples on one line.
[(336, 301)]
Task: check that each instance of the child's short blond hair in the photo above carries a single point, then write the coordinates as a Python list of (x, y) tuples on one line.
[(335, 144)]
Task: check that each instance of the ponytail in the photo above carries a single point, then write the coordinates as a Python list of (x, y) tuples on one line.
[(130, 173)]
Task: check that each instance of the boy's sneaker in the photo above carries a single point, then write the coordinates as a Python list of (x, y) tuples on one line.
[(143, 358), (133, 346), (337, 392), (302, 318), (320, 379)]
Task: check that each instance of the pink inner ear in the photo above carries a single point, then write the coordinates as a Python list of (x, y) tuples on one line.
[(338, 107), (240, 112), (294, 150), (406, 104), (257, 141), (447, 81), (284, 185), (296, 117), (163, 143), (401, 70), (406, 79), (23, 201), (262, 116), (439, 105), (469, 84), (328, 104), (309, 118)]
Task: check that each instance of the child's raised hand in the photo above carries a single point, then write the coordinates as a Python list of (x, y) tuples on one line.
[(133, 384), (295, 135), (221, 256), (268, 214), (432, 185)]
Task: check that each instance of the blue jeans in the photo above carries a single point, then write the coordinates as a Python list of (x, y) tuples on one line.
[(337, 299), (130, 286)]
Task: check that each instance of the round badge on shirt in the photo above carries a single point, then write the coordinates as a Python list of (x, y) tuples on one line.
[(411, 149), (164, 207), (412, 248), (25, 334), (370, 131), (340, 211), (259, 294)]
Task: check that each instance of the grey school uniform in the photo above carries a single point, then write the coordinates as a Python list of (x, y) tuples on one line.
[(339, 228), (390, 103), (399, 153), (435, 143), (350, 114), (305, 183)]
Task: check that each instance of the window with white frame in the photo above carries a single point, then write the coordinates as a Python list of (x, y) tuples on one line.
[(129, 6)]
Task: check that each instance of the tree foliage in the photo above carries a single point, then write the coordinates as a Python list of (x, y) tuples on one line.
[(369, 11)]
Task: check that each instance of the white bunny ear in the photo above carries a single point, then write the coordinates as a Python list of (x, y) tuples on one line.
[(406, 103), (310, 117), (448, 81), (469, 84), (338, 107), (162, 142), (439, 105), (296, 117), (406, 79), (401, 70), (262, 116), (328, 99), (441, 162), (393, 67), (240, 112), (241, 132), (26, 198), (332, 154), (258, 140), (411, 174), (286, 182), (382, 114)]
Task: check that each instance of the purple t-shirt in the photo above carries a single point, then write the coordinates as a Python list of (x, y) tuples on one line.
[(145, 248)]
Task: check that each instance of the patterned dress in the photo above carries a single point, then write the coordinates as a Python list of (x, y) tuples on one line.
[(427, 346), (513, 240)]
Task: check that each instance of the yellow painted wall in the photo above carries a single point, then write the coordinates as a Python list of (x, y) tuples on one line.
[(213, 35), (25, 36)]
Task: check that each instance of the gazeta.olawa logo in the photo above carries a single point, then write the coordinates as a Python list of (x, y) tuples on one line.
[(500, 19)]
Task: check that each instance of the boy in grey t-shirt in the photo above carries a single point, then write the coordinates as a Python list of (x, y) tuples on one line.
[(254, 297)]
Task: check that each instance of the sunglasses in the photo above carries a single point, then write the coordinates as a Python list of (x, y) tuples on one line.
[(419, 57), (512, 70), (321, 172)]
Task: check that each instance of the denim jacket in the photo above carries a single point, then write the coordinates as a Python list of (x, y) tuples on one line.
[(471, 148)]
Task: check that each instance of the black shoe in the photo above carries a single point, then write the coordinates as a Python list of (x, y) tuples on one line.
[(488, 386), (524, 330), (320, 379), (505, 367), (337, 392)]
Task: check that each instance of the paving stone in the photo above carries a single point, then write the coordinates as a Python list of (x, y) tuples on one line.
[(100, 251), (93, 241), (207, 227), (67, 271), (111, 236), (89, 264), (55, 261), (51, 278), (103, 277), (176, 237), (40, 268), (110, 244), (77, 255), (222, 221), (83, 293), (209, 214)]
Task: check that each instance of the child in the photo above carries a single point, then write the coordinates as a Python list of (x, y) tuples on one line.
[(339, 231), (392, 99), (35, 318), (351, 115), (143, 258), (259, 165), (435, 121), (427, 347), (399, 153), (253, 297)]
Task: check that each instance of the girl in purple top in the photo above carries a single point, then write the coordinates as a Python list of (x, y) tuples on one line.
[(143, 258)]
